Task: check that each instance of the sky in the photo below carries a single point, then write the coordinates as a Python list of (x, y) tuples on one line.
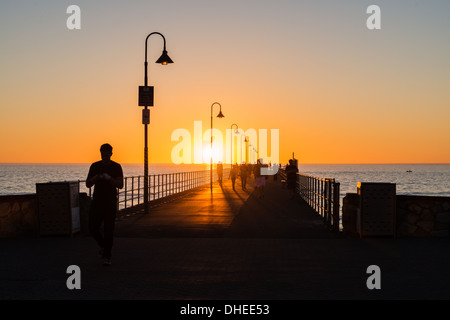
[(336, 91)]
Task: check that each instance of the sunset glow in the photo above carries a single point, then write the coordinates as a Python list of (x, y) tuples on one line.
[(342, 94)]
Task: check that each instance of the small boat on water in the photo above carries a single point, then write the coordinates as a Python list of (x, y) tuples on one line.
[(408, 171)]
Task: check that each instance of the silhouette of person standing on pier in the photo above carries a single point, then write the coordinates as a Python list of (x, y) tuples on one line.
[(243, 172), (220, 172), (233, 174), (107, 176), (291, 177), (260, 180)]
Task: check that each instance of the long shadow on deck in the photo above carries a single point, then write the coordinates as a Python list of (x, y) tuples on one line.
[(228, 213), (278, 216)]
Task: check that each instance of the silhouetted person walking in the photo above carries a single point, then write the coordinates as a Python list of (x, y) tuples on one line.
[(260, 180), (291, 177), (220, 172), (106, 175), (233, 174), (243, 172)]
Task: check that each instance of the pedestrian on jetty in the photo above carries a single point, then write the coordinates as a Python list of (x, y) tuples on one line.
[(107, 176), (260, 180), (233, 174), (291, 177), (220, 172), (243, 172)]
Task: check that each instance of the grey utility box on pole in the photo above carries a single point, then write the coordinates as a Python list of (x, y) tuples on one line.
[(377, 209), (58, 208)]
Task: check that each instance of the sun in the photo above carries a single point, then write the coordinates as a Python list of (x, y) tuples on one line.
[(217, 154)]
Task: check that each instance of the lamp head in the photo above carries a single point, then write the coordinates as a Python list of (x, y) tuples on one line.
[(220, 115), (164, 59)]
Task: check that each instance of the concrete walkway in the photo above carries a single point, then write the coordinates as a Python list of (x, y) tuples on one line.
[(235, 246)]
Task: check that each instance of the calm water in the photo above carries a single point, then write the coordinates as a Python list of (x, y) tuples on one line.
[(425, 179), (22, 178)]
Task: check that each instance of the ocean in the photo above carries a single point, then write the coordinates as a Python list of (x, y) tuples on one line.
[(22, 178), (423, 179)]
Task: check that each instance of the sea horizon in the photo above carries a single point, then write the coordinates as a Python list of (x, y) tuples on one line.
[(301, 163), (410, 178)]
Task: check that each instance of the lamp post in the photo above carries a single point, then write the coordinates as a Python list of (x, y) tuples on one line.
[(146, 100), (237, 132), (246, 141), (220, 115)]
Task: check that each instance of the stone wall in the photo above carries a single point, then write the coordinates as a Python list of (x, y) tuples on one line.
[(349, 211), (18, 216), (417, 216), (423, 216)]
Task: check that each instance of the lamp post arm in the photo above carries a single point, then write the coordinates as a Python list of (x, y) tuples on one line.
[(146, 63), (231, 142), (212, 118), (213, 105)]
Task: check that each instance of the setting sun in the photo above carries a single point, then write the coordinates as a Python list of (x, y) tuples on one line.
[(217, 154)]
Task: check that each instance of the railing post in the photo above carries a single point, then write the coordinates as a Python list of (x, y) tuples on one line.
[(126, 187), (154, 187), (139, 190), (336, 206), (325, 204), (327, 195), (316, 183), (159, 186), (132, 191), (310, 186)]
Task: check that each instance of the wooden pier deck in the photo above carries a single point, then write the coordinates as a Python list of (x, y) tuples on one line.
[(228, 213)]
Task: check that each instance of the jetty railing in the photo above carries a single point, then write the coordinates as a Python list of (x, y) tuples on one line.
[(159, 186), (322, 195)]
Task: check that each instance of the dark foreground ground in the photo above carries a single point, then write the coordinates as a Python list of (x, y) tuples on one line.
[(234, 247)]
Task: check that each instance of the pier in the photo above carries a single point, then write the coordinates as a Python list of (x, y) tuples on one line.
[(226, 245)]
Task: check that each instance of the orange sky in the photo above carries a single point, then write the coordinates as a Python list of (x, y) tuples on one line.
[(337, 92)]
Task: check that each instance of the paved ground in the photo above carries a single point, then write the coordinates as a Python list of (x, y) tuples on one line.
[(235, 246)]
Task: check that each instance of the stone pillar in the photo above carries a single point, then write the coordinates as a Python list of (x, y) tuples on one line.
[(349, 211)]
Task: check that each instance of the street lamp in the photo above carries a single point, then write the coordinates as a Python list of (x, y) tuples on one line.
[(220, 115), (246, 141), (237, 132), (146, 100)]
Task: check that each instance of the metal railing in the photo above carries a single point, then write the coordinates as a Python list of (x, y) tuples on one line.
[(322, 195), (160, 186)]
